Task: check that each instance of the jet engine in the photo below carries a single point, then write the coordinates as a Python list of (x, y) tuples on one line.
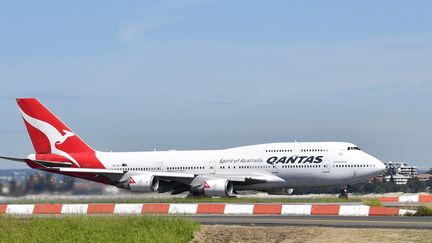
[(218, 187), (141, 183)]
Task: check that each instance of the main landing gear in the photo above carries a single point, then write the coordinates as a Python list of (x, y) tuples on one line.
[(195, 195), (343, 193)]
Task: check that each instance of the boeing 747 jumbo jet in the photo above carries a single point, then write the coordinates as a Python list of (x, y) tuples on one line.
[(263, 167)]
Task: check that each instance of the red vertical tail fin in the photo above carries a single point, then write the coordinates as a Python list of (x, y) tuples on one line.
[(52, 139), (49, 134)]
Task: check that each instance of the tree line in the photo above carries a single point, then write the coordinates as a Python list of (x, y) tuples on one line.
[(36, 183)]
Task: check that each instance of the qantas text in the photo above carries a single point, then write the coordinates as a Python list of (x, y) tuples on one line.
[(295, 159)]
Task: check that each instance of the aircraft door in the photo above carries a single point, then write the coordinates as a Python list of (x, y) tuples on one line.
[(294, 174), (275, 168), (212, 167), (326, 167), (160, 166)]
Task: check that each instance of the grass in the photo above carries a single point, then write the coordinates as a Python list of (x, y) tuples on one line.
[(423, 211), (97, 229), (190, 200), (373, 202)]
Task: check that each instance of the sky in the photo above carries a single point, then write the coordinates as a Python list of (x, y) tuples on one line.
[(209, 74)]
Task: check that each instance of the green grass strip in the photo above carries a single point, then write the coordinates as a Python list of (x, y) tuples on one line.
[(97, 229)]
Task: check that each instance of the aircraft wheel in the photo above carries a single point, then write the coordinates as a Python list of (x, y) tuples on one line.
[(343, 193)]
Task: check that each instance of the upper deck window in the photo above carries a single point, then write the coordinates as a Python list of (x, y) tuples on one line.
[(354, 148)]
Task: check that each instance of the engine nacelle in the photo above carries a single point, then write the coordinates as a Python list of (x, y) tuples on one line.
[(142, 183), (218, 187)]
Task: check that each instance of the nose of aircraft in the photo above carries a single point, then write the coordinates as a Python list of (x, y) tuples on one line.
[(380, 166)]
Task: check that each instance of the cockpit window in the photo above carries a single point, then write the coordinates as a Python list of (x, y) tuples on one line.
[(354, 148)]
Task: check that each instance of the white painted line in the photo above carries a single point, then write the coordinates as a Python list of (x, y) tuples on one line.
[(74, 209), (20, 209), (239, 209), (412, 198), (182, 208), (354, 210), (127, 208), (296, 209)]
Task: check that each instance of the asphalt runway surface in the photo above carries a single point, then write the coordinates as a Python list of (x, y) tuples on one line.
[(328, 221)]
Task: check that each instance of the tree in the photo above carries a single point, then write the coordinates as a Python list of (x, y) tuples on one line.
[(429, 171), (13, 187), (392, 179), (68, 183)]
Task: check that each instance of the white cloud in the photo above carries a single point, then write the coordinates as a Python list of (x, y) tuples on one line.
[(137, 33)]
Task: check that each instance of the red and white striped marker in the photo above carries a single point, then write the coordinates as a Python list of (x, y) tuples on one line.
[(408, 199), (201, 208)]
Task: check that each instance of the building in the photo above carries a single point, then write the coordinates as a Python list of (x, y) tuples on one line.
[(398, 179), (408, 170), (423, 177), (400, 168), (400, 171)]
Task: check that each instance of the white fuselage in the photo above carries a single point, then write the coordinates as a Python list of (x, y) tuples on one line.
[(298, 164)]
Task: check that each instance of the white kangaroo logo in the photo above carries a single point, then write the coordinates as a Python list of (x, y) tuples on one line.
[(67, 135), (53, 135)]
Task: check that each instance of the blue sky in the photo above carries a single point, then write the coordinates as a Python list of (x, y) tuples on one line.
[(197, 74)]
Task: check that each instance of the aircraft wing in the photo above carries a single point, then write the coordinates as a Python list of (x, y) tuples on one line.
[(187, 178), (120, 175), (246, 178), (107, 171), (116, 175)]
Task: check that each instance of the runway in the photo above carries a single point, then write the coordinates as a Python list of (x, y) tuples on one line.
[(328, 221)]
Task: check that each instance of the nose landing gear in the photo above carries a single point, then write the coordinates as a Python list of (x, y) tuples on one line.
[(343, 193)]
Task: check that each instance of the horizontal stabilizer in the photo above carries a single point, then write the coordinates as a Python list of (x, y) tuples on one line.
[(90, 170), (53, 163), (14, 159), (41, 162)]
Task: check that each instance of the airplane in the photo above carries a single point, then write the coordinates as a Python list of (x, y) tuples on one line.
[(225, 172)]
